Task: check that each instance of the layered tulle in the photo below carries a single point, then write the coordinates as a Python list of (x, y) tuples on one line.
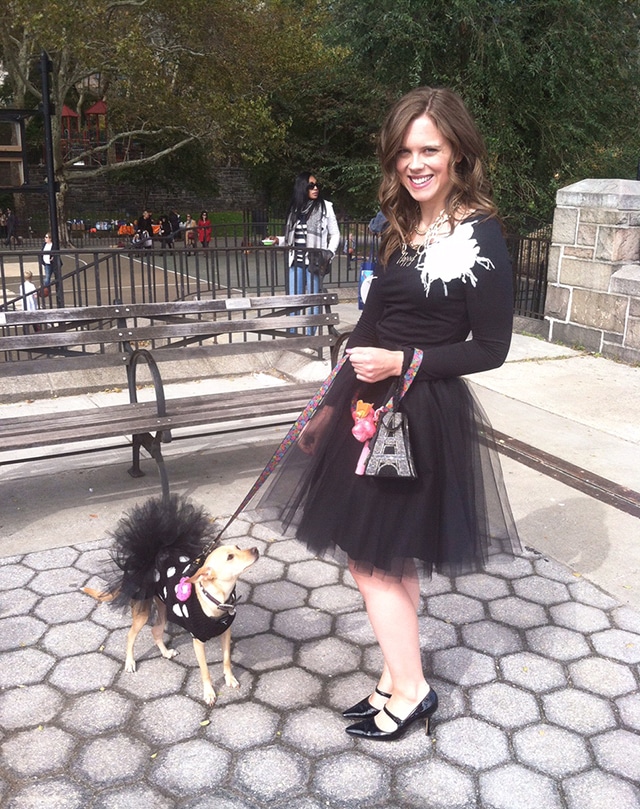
[(450, 519)]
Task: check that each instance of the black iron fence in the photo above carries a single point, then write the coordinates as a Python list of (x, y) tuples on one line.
[(106, 267), (530, 258)]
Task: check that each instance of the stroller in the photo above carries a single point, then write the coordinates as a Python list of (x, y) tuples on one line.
[(142, 239)]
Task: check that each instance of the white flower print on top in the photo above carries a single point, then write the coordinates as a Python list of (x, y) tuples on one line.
[(452, 257)]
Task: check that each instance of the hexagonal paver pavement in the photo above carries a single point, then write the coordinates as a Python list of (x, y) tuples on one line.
[(537, 674)]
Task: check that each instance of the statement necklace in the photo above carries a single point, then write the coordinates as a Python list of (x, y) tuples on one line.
[(406, 258)]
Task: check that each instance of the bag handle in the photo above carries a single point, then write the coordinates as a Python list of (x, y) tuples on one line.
[(402, 385)]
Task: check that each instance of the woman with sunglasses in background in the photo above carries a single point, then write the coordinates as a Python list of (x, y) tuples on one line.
[(311, 223)]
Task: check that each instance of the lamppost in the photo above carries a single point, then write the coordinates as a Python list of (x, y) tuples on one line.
[(47, 112)]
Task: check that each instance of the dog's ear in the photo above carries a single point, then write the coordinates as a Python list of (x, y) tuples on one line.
[(204, 573)]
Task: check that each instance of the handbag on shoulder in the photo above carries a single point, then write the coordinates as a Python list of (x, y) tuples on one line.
[(320, 261)]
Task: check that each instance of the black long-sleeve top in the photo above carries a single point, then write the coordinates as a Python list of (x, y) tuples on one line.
[(457, 307)]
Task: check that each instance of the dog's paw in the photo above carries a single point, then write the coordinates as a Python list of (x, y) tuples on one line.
[(209, 695), (231, 681), (169, 654), (130, 665)]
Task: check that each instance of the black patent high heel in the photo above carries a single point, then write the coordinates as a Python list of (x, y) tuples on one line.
[(364, 708), (367, 729)]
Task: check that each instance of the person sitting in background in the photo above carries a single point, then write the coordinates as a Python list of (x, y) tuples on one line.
[(349, 248), (145, 229)]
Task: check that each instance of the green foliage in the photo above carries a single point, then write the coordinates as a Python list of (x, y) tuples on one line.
[(187, 168), (173, 76), (553, 83), (280, 86)]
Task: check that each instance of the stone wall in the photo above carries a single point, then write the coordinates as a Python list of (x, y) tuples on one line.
[(593, 291), (97, 198)]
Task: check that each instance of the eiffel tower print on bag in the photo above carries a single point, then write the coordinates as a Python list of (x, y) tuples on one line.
[(390, 453)]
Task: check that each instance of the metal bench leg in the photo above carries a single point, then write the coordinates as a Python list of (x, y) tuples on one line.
[(152, 446), (156, 454), (146, 440), (136, 471)]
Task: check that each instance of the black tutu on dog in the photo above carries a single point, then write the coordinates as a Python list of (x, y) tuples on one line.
[(148, 535)]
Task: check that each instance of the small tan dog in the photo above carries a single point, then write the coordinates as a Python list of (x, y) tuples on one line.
[(161, 557)]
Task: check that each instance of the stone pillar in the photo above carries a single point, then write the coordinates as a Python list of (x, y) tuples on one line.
[(593, 289)]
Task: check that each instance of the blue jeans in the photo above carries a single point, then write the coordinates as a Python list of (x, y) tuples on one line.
[(303, 282), (49, 270)]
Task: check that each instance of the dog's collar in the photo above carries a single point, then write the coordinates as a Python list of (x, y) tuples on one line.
[(229, 607)]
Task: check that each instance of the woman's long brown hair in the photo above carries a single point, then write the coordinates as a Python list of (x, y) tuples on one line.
[(471, 189)]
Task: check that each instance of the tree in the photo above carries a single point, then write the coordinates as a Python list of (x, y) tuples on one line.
[(172, 76), (553, 83)]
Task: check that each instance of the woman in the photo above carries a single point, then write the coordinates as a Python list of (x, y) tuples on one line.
[(442, 285), (46, 260), (166, 231), (204, 229), (311, 223), (190, 232), (144, 230)]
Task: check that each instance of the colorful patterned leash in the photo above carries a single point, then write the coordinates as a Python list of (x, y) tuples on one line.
[(302, 421), (288, 441)]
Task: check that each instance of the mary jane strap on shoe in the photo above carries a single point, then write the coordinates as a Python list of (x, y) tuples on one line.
[(367, 729), (364, 708)]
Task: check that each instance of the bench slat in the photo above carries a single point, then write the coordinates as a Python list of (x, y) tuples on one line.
[(198, 328), (87, 360), (164, 308), (129, 419)]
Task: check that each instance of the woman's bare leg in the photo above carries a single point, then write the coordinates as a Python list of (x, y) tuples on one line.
[(392, 605)]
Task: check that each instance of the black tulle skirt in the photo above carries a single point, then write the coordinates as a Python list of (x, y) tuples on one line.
[(449, 519)]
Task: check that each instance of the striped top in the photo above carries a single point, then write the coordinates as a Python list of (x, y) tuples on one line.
[(300, 244)]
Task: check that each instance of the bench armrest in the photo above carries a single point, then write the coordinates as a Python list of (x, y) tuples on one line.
[(132, 364)]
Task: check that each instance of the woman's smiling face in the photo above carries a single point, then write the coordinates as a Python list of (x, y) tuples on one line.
[(423, 163)]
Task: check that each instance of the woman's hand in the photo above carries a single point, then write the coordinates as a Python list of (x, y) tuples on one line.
[(375, 364)]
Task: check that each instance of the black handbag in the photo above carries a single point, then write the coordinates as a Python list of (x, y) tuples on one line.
[(320, 261), (390, 454)]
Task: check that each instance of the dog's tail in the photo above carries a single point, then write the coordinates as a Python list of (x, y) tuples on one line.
[(99, 595), (149, 532)]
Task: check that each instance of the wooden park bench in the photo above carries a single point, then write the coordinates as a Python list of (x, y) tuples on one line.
[(50, 340)]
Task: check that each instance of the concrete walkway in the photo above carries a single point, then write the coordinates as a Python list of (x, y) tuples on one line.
[(536, 661)]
